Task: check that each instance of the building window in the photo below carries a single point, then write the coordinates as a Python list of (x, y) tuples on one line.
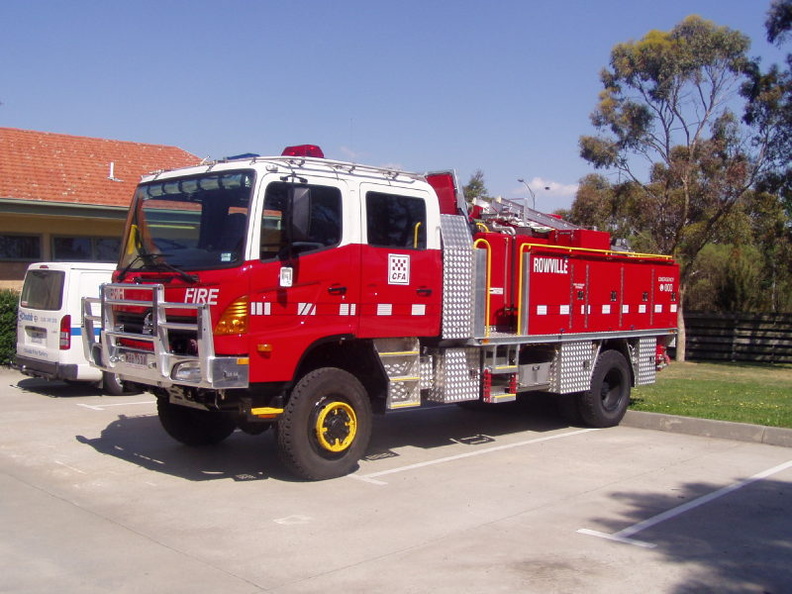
[(82, 249), (20, 247)]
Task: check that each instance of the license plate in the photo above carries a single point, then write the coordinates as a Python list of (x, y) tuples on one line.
[(36, 335), (136, 359)]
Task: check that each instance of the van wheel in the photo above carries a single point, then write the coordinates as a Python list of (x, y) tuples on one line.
[(194, 427), (115, 386), (326, 425), (606, 402)]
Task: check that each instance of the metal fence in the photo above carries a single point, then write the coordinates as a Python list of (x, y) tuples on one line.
[(758, 338)]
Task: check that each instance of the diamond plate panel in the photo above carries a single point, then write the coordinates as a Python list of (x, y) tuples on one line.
[(646, 354), (457, 277), (457, 375), (400, 358), (427, 372), (573, 370)]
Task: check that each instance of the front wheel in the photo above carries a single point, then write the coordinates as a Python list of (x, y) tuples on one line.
[(115, 386), (605, 404), (192, 426), (326, 425)]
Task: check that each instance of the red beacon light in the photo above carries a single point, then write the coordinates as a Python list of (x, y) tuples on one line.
[(303, 150)]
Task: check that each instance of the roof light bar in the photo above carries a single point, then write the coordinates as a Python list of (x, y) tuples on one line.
[(303, 150)]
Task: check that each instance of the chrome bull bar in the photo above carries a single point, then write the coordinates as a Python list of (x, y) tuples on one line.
[(157, 364)]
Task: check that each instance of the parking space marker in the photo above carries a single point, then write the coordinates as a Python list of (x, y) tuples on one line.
[(624, 536), (69, 467), (104, 406), (373, 476)]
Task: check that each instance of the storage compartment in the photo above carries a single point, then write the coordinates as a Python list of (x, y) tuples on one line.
[(535, 375)]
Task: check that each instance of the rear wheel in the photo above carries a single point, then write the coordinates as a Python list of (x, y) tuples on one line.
[(194, 427), (326, 425), (605, 404)]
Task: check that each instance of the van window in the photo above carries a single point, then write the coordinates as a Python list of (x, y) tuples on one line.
[(395, 221), (43, 289)]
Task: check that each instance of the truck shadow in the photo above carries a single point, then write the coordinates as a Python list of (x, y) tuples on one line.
[(468, 423), (140, 440)]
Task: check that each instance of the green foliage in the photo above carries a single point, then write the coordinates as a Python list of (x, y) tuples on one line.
[(779, 20), (475, 188), (769, 108), (8, 325)]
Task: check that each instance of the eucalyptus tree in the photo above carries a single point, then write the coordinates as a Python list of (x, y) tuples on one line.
[(666, 123)]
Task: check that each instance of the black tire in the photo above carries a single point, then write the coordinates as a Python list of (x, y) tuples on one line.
[(569, 408), (326, 425), (115, 386), (606, 402), (194, 427)]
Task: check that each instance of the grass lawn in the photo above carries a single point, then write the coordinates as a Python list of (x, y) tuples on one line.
[(757, 394)]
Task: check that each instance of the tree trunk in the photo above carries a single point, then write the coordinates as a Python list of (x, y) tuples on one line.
[(681, 339)]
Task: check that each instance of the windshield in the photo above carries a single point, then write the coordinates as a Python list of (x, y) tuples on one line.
[(191, 223)]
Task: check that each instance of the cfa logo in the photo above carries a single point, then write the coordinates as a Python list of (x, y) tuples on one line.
[(398, 269)]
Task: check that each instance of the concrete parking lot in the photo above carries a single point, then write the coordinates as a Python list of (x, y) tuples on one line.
[(97, 498)]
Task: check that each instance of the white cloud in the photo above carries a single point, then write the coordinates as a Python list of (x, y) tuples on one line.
[(550, 195)]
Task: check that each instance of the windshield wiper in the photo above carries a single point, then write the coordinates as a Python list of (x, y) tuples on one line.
[(188, 278), (151, 260)]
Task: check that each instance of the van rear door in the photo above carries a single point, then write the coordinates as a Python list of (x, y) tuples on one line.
[(40, 305)]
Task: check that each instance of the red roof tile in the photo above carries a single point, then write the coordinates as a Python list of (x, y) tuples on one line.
[(50, 167)]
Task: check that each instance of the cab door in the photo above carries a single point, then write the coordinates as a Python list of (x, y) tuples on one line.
[(401, 265), (304, 286)]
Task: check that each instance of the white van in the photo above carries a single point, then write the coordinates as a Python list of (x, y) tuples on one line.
[(49, 336)]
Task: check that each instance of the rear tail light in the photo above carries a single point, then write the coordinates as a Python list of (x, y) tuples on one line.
[(64, 337)]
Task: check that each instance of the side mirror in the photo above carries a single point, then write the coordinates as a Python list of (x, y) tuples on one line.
[(297, 220)]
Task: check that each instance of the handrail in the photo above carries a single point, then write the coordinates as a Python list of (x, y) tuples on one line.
[(571, 248), (488, 282)]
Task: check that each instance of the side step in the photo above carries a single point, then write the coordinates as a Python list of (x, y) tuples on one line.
[(401, 359)]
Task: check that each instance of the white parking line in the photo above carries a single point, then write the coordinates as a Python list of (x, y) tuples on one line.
[(624, 536), (104, 406), (69, 467), (372, 477)]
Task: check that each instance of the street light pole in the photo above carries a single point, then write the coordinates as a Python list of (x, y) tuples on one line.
[(530, 191)]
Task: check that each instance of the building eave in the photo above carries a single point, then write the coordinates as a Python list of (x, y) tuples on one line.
[(62, 209)]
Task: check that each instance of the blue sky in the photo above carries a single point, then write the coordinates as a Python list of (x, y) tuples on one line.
[(501, 86)]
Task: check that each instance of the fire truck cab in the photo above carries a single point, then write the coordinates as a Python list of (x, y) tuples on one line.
[(307, 293)]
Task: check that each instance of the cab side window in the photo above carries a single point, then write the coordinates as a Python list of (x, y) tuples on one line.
[(395, 221), (320, 220)]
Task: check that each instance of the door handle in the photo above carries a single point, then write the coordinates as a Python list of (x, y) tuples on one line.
[(337, 290), (424, 292)]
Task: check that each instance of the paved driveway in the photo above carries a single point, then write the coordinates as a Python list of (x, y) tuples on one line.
[(97, 498)]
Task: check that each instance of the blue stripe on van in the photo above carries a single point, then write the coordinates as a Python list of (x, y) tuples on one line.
[(77, 331)]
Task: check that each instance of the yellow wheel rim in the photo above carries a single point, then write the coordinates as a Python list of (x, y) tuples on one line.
[(336, 426)]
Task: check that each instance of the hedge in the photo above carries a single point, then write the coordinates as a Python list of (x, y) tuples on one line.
[(8, 325)]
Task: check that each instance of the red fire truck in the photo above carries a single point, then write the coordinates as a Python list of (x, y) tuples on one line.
[(306, 294)]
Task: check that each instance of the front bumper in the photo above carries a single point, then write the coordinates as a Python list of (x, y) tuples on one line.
[(148, 358)]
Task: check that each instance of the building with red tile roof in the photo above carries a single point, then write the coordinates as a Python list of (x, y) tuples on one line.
[(66, 197)]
